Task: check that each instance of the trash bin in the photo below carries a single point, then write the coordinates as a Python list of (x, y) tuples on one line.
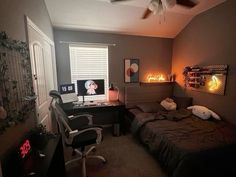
[(116, 129)]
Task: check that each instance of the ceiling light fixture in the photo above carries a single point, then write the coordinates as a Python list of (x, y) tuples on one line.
[(158, 6)]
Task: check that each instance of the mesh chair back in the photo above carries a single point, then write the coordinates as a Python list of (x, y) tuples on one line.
[(62, 121), (55, 95)]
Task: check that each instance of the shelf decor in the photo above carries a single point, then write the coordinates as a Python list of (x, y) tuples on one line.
[(131, 70), (155, 78), (211, 79)]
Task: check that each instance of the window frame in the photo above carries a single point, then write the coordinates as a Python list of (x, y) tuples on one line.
[(103, 97)]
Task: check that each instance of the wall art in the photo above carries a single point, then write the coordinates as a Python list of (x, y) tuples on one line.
[(131, 70), (211, 79)]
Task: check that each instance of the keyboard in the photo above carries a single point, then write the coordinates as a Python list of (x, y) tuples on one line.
[(90, 104)]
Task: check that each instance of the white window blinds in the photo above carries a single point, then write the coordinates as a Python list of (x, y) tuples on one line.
[(89, 62)]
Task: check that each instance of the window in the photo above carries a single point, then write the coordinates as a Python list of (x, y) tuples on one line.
[(89, 62)]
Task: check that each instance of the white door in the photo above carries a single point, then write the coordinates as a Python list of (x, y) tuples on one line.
[(41, 55)]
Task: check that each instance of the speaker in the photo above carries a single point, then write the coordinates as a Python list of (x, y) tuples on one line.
[(116, 129)]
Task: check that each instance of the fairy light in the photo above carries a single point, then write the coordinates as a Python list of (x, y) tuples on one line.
[(155, 78)]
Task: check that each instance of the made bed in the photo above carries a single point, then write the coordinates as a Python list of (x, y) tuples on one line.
[(185, 145)]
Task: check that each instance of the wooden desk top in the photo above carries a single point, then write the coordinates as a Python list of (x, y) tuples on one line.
[(71, 108)]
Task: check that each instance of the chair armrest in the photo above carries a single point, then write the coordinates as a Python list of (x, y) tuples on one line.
[(88, 126), (74, 132), (96, 128), (88, 116)]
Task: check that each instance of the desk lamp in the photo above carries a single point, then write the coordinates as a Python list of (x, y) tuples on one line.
[(113, 93)]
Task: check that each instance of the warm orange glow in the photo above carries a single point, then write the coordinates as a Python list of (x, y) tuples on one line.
[(214, 84), (155, 78), (113, 95)]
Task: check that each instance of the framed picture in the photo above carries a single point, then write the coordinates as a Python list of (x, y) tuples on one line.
[(131, 70)]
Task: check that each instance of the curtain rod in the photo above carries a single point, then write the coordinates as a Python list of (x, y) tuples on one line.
[(69, 42)]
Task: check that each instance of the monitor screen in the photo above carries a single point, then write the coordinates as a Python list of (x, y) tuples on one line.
[(90, 87), (67, 88)]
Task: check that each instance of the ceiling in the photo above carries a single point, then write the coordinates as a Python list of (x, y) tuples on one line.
[(122, 17)]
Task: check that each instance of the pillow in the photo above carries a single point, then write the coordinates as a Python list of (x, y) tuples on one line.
[(183, 102), (150, 107), (168, 104), (203, 112)]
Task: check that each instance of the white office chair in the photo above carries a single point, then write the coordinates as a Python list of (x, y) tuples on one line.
[(78, 138)]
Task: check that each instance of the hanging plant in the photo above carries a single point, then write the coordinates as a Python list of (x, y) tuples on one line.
[(15, 80)]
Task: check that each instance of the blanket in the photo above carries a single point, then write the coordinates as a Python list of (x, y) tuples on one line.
[(143, 118)]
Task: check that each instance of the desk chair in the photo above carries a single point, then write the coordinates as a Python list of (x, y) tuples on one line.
[(78, 138)]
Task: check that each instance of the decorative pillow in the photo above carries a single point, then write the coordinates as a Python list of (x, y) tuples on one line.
[(183, 102), (203, 112), (169, 104), (150, 107)]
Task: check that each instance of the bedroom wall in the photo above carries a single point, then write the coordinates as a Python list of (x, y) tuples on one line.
[(154, 54), (209, 39), (12, 14), (12, 21)]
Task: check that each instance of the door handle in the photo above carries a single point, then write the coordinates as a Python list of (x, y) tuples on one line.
[(35, 76)]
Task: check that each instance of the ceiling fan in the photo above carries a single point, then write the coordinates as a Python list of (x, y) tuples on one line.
[(158, 6)]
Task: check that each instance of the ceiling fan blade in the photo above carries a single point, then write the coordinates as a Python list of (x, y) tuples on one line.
[(186, 3), (147, 13), (113, 1)]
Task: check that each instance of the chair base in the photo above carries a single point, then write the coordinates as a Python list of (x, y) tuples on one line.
[(84, 156)]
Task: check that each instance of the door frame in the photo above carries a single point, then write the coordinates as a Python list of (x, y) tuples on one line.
[(30, 23)]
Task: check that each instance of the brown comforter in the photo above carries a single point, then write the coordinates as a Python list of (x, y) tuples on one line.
[(191, 147)]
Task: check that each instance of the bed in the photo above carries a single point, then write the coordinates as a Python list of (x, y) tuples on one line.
[(187, 146)]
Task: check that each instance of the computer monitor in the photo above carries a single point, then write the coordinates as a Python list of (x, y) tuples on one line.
[(90, 87), (68, 94)]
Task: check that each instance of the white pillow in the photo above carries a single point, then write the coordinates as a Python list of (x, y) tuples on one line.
[(203, 112), (169, 104)]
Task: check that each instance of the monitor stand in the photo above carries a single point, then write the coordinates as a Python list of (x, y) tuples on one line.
[(83, 99)]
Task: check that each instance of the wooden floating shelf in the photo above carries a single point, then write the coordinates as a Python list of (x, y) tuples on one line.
[(194, 77), (196, 83), (157, 83)]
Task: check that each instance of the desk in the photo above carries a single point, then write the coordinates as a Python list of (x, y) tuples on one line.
[(72, 109)]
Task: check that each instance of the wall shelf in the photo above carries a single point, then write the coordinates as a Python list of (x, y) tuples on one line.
[(156, 83)]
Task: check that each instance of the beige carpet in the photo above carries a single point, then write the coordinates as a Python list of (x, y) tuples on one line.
[(125, 158)]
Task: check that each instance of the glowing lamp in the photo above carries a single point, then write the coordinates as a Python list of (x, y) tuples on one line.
[(214, 83), (113, 93), (155, 78), (25, 148), (161, 78)]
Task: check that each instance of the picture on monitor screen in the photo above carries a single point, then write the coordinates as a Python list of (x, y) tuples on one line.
[(90, 87)]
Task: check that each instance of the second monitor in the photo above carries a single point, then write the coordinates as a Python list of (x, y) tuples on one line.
[(90, 87)]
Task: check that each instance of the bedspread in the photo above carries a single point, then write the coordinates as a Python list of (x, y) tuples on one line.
[(190, 147)]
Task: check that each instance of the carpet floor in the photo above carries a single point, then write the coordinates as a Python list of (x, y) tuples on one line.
[(125, 158)]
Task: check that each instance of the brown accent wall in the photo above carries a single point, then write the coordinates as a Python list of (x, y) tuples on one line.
[(154, 54), (209, 39)]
